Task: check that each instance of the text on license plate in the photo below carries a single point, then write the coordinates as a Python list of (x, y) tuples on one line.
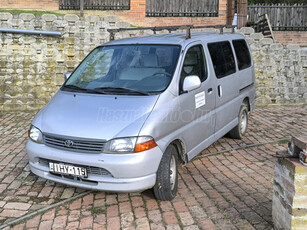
[(67, 169)]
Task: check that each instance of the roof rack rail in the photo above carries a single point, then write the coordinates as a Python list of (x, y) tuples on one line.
[(170, 29)]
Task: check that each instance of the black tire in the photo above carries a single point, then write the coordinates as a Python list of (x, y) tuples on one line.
[(239, 131), (166, 186)]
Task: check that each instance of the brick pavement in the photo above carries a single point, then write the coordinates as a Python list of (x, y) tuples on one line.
[(231, 190)]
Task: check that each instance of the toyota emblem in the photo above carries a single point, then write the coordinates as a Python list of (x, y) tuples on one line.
[(68, 143)]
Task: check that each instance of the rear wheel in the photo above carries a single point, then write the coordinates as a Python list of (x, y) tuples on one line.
[(167, 175), (239, 131)]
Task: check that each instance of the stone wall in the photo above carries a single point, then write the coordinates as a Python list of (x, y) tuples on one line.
[(32, 66), (281, 71)]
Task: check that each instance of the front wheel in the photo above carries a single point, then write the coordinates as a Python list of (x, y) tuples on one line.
[(167, 175), (239, 131)]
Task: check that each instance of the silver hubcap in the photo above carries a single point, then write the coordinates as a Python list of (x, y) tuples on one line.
[(172, 172), (243, 124)]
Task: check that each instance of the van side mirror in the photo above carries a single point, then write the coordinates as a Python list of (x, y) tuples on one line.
[(67, 75), (190, 83)]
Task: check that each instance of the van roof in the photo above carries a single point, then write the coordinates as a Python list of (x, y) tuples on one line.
[(176, 38)]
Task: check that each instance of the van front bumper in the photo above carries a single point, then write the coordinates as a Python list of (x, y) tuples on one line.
[(107, 172)]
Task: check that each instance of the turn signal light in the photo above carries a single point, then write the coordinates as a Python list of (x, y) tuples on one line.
[(145, 146)]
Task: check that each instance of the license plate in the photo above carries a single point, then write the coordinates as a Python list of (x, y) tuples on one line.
[(67, 169)]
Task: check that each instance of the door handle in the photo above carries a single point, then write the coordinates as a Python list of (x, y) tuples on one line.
[(210, 90), (219, 89)]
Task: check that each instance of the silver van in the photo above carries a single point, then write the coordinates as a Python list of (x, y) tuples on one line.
[(136, 108)]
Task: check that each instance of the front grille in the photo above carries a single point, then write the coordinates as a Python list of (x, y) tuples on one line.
[(69, 143), (90, 169)]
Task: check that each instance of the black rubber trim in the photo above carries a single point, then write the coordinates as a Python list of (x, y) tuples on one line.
[(246, 87)]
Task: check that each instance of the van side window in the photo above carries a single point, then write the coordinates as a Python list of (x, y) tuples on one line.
[(222, 58), (242, 54), (194, 64)]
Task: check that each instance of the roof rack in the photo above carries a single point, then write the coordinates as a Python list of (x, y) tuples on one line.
[(170, 29)]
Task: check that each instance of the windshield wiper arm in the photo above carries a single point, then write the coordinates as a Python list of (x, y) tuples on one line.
[(83, 89), (123, 88)]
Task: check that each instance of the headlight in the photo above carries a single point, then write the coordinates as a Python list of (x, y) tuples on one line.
[(129, 145), (35, 134), (121, 145)]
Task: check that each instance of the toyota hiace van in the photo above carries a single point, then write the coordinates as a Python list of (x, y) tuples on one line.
[(136, 108)]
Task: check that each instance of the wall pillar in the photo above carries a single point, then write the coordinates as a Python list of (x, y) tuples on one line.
[(289, 209)]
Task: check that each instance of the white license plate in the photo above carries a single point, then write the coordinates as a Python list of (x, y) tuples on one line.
[(67, 169)]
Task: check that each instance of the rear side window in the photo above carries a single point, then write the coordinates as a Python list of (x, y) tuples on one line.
[(242, 54), (222, 58)]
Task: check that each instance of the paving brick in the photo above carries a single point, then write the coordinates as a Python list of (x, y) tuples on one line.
[(186, 218), (126, 220), (34, 222), (139, 212), (74, 215), (12, 213), (111, 199), (73, 225), (124, 207), (59, 222), (207, 224), (180, 206), (112, 211), (49, 215), (46, 225), (76, 204), (155, 216), (68, 192), (17, 206), (86, 222), (170, 218), (152, 204), (226, 191), (88, 200), (113, 223), (100, 219), (137, 201), (142, 223)]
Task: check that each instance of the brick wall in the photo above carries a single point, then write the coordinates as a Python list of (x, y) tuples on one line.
[(291, 37), (289, 209), (30, 4), (135, 16)]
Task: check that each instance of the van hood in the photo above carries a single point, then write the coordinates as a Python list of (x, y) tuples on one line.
[(94, 116)]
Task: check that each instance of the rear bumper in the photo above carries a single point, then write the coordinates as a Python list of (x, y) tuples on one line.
[(122, 172)]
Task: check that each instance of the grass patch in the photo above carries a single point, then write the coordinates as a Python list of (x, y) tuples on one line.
[(39, 200), (35, 12), (134, 26), (285, 141), (96, 210)]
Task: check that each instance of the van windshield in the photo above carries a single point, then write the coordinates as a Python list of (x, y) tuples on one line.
[(125, 69)]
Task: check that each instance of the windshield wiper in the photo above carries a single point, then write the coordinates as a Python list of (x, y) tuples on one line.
[(83, 89), (124, 89)]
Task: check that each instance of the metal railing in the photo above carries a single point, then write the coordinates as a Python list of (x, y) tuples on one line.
[(95, 5)]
